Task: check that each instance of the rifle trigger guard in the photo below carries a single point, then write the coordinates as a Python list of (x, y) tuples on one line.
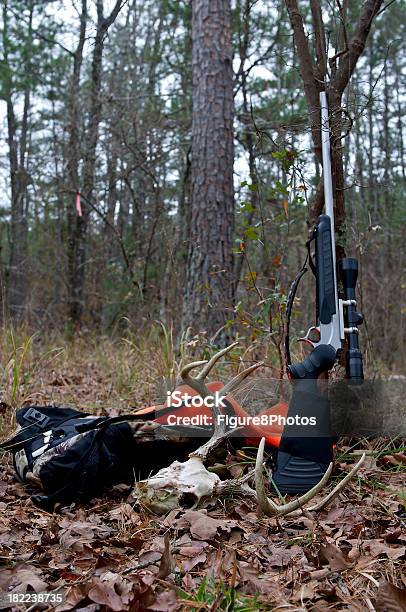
[(309, 338)]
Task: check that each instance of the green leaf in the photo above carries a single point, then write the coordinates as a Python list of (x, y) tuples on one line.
[(251, 233), (247, 207)]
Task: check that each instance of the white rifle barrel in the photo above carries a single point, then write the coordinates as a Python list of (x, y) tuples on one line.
[(327, 179), (325, 142)]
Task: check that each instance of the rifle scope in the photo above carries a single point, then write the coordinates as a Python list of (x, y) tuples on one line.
[(349, 274)]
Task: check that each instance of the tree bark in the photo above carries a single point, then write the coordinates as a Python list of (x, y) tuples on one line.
[(209, 284), (19, 177), (81, 224), (73, 161), (248, 140), (312, 85)]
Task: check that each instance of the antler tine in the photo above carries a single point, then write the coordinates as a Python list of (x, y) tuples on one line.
[(303, 499), (338, 487), (194, 382), (267, 505), (211, 363), (197, 382), (191, 366), (234, 382)]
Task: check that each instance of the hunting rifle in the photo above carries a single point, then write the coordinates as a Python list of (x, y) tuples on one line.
[(305, 453)]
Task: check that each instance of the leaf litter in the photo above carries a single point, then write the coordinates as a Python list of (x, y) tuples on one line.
[(112, 555)]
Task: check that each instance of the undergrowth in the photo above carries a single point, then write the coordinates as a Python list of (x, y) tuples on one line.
[(94, 372)]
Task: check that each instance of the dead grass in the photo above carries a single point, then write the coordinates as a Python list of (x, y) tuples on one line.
[(96, 373)]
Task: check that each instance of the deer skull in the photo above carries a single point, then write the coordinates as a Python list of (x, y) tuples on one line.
[(180, 484)]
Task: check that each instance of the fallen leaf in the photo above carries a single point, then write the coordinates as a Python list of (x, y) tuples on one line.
[(193, 548), (306, 591), (189, 564), (104, 594), (281, 557), (165, 566), (166, 601), (393, 536), (379, 547), (334, 557), (203, 527), (21, 577), (254, 583), (319, 574), (149, 557), (390, 598), (347, 517), (73, 596)]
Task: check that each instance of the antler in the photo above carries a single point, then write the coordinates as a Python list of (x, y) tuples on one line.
[(269, 507), (197, 383), (165, 490), (239, 486)]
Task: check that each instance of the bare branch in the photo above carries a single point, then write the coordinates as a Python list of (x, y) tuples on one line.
[(312, 86), (108, 21), (356, 45), (320, 40)]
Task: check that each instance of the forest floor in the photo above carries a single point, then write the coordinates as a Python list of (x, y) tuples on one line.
[(110, 554)]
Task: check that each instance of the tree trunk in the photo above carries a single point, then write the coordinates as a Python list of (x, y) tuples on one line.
[(248, 137), (19, 178), (80, 227), (73, 160), (342, 67), (209, 285)]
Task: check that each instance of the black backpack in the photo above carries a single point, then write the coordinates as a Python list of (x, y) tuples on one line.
[(74, 456), (71, 454)]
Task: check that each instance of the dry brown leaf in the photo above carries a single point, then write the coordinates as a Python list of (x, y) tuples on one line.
[(280, 556), (165, 566), (189, 564), (103, 593), (255, 583), (319, 574), (390, 598), (193, 548), (150, 556), (392, 536), (73, 596), (334, 557), (203, 527), (166, 601), (22, 577), (379, 547), (347, 517), (306, 591)]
